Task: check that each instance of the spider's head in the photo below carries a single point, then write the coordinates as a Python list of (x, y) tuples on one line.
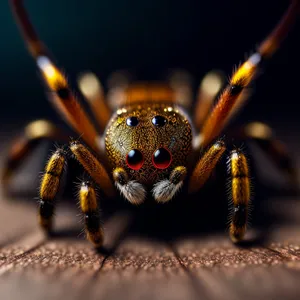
[(148, 141)]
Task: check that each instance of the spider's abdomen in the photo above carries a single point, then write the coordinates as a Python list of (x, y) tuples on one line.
[(148, 140)]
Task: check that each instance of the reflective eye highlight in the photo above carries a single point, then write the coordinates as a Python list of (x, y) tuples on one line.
[(132, 121), (161, 158), (135, 159), (159, 121)]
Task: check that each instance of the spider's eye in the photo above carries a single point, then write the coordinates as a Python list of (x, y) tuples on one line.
[(161, 158), (132, 121), (135, 159), (159, 121)]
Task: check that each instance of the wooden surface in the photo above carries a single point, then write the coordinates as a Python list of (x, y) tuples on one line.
[(135, 265), (66, 266)]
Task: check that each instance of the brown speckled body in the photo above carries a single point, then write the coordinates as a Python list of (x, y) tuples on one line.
[(175, 135)]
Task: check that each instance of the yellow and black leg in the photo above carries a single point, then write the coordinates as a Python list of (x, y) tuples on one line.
[(49, 188), (91, 214), (88, 200), (240, 194), (239, 183)]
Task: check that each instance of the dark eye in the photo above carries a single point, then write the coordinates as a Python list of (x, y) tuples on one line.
[(132, 121), (162, 158), (134, 159), (159, 121)]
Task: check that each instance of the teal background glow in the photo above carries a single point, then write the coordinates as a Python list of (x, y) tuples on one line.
[(147, 38)]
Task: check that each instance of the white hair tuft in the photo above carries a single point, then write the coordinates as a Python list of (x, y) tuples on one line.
[(133, 191), (163, 191)]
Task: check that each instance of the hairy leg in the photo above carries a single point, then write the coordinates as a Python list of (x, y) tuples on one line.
[(235, 93), (240, 193), (91, 214), (93, 167), (61, 95), (205, 166), (49, 187), (33, 134)]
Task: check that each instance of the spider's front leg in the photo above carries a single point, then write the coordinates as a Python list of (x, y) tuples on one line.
[(93, 166), (240, 193), (88, 200), (240, 184), (206, 165), (90, 210), (49, 188)]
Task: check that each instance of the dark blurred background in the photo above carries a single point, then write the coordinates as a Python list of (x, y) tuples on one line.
[(148, 38)]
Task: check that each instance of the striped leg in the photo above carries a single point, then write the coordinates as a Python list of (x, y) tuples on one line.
[(62, 97), (88, 202), (234, 95), (90, 209), (49, 188), (240, 194)]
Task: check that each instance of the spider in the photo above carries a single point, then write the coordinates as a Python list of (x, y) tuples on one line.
[(146, 143)]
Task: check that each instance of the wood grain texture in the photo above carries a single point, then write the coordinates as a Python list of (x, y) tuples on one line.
[(66, 266)]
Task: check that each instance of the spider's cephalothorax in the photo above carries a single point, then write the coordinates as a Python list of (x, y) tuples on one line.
[(144, 143), (148, 140)]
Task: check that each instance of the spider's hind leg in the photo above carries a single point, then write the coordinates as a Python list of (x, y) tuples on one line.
[(181, 83), (91, 87), (275, 149), (33, 134), (208, 90)]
